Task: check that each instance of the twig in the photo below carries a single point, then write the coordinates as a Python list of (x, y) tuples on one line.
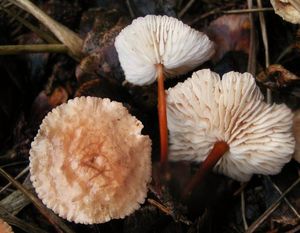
[(209, 13), (64, 34), (253, 10), (263, 28), (264, 34), (251, 67), (167, 211), (44, 35), (14, 164), (17, 177), (288, 49), (15, 202), (285, 52), (130, 9), (21, 224), (34, 48), (240, 189), (295, 230), (178, 5), (160, 206), (270, 210), (243, 209), (285, 199), (186, 8), (59, 225)]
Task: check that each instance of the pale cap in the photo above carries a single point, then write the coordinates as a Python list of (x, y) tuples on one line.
[(89, 162), (153, 40)]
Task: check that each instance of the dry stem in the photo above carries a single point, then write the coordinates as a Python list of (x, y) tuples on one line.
[(34, 48), (64, 34), (52, 218), (266, 45), (270, 210), (186, 8), (253, 10)]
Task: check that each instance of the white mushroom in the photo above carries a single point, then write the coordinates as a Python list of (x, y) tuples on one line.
[(153, 47), (205, 110), (154, 40), (289, 10), (4, 227), (89, 162)]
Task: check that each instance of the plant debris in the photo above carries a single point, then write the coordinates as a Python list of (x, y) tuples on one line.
[(55, 50)]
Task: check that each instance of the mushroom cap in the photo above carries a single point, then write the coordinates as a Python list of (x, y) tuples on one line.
[(89, 162), (286, 10), (153, 40), (4, 227), (204, 109), (296, 131)]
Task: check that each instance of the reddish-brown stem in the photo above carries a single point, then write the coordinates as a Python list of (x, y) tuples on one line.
[(162, 115), (219, 149)]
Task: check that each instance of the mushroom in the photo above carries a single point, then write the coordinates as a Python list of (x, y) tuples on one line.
[(289, 10), (4, 227), (226, 124), (89, 162), (296, 131), (155, 47)]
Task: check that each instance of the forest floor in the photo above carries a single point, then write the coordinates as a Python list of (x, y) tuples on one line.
[(249, 37)]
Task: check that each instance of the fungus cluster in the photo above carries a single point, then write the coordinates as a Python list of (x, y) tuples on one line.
[(226, 124), (155, 47), (89, 162)]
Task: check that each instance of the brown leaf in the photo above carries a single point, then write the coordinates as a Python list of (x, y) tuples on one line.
[(230, 33), (276, 76), (58, 96)]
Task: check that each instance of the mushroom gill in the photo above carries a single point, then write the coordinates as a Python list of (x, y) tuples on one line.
[(205, 110), (155, 47)]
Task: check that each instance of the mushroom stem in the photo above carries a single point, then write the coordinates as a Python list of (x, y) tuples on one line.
[(162, 115), (219, 149)]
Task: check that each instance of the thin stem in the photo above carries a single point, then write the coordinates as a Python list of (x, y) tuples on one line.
[(253, 10), (240, 189), (167, 211), (285, 199), (295, 230), (266, 45), (219, 149), (209, 13), (251, 67), (130, 9), (160, 206), (52, 218), (24, 171), (243, 210), (162, 115), (186, 8), (34, 48), (44, 35), (270, 210), (64, 34)]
